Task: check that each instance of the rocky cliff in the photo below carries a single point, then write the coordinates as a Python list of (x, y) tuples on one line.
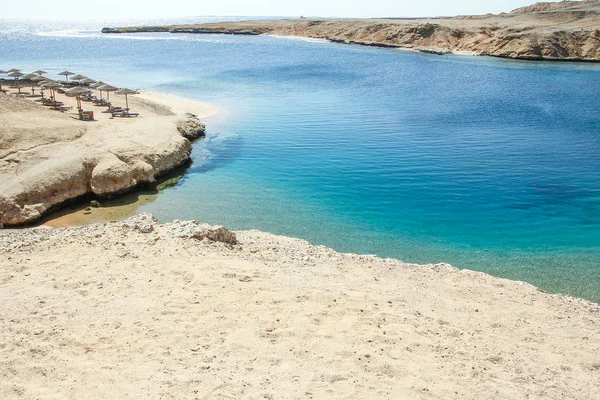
[(565, 31)]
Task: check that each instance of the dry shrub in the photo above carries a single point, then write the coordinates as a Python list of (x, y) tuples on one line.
[(223, 235)]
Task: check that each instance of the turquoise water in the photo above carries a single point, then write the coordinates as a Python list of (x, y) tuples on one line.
[(486, 164)]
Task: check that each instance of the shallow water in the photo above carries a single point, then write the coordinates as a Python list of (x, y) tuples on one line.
[(486, 164)]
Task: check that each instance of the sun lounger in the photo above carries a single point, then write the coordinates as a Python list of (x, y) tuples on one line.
[(53, 103), (114, 109), (123, 114), (62, 108)]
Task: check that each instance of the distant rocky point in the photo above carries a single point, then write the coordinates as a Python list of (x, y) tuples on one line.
[(559, 31)]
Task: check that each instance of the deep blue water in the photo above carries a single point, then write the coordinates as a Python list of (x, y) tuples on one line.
[(486, 164)]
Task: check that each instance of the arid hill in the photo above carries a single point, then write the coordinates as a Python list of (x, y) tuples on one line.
[(565, 31), (550, 6)]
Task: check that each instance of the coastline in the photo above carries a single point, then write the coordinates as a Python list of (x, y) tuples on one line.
[(565, 32), (51, 159), (273, 316)]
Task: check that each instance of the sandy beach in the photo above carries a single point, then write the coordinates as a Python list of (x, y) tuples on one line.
[(135, 310), (48, 157)]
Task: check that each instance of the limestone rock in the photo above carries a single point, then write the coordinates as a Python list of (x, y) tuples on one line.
[(111, 176), (53, 158), (563, 30), (191, 128)]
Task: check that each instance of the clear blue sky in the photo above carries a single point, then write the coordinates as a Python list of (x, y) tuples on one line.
[(323, 8)]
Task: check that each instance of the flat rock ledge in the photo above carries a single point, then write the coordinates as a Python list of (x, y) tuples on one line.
[(107, 174)]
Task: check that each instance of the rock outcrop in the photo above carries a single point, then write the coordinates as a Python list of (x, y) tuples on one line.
[(191, 128), (41, 170), (551, 6), (563, 31)]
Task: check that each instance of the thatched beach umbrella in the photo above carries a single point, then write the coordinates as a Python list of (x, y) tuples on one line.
[(78, 78), (97, 86), (37, 80), (77, 92), (87, 81), (108, 88), (52, 85), (17, 75), (28, 77), (126, 92), (13, 70), (66, 75), (40, 72)]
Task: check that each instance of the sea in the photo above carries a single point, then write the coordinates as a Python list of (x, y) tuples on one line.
[(486, 164)]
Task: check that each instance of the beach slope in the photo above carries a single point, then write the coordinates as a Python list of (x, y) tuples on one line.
[(136, 309)]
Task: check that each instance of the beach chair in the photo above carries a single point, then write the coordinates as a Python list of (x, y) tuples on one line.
[(62, 108), (86, 115), (124, 114), (112, 109)]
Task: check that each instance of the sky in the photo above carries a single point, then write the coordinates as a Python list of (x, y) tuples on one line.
[(295, 8)]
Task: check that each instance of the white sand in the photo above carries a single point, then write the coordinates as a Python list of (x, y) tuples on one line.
[(108, 312)]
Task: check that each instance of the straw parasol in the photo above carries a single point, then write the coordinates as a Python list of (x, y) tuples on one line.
[(29, 77), (87, 81), (40, 72), (66, 75), (78, 78), (97, 86), (38, 80), (108, 88), (77, 92), (52, 85), (126, 92), (13, 70), (17, 75)]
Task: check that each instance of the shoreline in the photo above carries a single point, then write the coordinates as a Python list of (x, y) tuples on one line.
[(52, 159), (410, 48), (565, 32), (273, 314)]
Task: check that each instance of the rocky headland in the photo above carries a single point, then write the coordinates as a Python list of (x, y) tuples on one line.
[(49, 158), (563, 31)]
